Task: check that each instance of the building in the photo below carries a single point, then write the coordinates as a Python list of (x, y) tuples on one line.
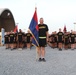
[(6, 20)]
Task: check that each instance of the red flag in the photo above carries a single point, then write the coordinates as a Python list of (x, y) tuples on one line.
[(16, 29), (65, 29)]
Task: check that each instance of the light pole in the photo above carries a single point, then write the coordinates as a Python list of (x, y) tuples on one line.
[(17, 25), (25, 30), (74, 25)]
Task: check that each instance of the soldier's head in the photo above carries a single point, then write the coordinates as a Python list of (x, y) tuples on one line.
[(71, 31), (59, 29), (6, 33), (11, 31), (55, 32), (28, 31), (20, 30), (41, 21)]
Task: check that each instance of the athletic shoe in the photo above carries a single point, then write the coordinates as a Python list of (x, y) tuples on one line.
[(12, 49), (43, 59), (6, 48), (60, 49), (40, 59)]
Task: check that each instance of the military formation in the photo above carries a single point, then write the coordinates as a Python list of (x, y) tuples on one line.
[(18, 40), (60, 40)]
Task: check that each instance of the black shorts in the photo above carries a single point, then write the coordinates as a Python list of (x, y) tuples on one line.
[(28, 41), (66, 43), (24, 42), (15, 42), (6, 42), (55, 40), (11, 41), (72, 42), (60, 41), (20, 41), (42, 42)]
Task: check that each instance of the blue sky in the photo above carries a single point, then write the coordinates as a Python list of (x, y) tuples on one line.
[(56, 13)]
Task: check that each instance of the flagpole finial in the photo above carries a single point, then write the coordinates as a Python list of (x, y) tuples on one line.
[(36, 8)]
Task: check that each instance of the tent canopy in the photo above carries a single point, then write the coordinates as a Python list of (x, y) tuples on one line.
[(6, 20)]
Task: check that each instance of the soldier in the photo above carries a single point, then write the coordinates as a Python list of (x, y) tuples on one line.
[(60, 39), (50, 40), (20, 39), (55, 39), (15, 40), (12, 40), (69, 44), (43, 38), (66, 40), (75, 39), (28, 39), (7, 40), (72, 39)]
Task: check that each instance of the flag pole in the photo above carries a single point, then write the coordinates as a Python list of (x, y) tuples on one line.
[(37, 48)]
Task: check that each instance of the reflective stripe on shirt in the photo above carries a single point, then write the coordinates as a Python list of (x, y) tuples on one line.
[(42, 37)]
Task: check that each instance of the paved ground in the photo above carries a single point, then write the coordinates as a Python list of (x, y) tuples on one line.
[(23, 62)]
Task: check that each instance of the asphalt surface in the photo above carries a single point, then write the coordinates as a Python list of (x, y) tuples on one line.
[(23, 62)]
